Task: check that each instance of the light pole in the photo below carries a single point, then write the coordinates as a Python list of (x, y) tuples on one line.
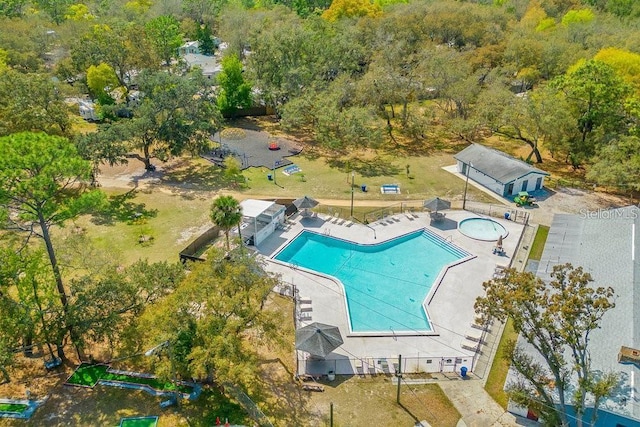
[(466, 184), (167, 344), (353, 177)]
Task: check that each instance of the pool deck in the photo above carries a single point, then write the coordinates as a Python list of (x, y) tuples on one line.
[(450, 311)]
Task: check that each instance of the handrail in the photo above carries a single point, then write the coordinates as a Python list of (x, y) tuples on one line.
[(366, 225)]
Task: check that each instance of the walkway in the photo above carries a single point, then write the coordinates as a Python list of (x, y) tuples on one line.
[(477, 407)]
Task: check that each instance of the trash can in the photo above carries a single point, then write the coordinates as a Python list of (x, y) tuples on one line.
[(463, 371), (507, 215), (363, 188), (331, 376), (270, 177)]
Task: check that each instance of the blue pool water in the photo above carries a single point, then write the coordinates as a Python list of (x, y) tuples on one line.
[(385, 284)]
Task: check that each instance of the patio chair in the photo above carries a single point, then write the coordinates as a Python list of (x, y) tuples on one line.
[(436, 216)]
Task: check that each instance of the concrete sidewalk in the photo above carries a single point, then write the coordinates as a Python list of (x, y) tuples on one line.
[(476, 406)]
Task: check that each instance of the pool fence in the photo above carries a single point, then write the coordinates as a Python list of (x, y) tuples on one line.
[(369, 365), (520, 216)]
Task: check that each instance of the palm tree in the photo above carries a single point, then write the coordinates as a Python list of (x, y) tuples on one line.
[(225, 213)]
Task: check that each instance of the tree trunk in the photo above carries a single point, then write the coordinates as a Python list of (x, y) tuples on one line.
[(147, 158), (27, 344), (58, 279)]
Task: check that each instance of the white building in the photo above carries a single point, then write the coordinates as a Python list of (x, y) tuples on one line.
[(498, 171), (605, 243), (260, 219)]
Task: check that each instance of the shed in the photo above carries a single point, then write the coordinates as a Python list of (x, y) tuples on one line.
[(498, 171), (260, 219)]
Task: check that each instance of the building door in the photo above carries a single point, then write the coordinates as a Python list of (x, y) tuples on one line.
[(448, 365), (524, 185), (464, 169), (539, 183), (510, 188)]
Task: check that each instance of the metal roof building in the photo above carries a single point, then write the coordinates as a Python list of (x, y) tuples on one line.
[(606, 244), (498, 171)]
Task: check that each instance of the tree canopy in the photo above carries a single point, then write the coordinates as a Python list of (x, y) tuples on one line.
[(556, 320)]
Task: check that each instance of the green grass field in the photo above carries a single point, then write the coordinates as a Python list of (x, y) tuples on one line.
[(500, 367), (139, 422), (538, 242), (88, 375), (13, 407)]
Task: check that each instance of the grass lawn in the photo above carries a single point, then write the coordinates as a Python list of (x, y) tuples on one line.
[(171, 221), (538, 242), (13, 407), (372, 401), (326, 179), (500, 367)]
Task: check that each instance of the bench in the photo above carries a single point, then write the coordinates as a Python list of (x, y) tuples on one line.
[(390, 189)]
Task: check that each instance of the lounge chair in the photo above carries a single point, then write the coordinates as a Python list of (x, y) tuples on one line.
[(475, 335), (471, 346), (304, 316), (396, 365), (371, 366), (481, 323), (384, 365), (305, 308)]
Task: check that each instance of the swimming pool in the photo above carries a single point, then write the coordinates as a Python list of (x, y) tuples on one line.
[(385, 284), (482, 229)]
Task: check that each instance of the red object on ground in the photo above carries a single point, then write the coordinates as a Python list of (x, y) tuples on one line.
[(226, 424), (218, 421), (273, 146)]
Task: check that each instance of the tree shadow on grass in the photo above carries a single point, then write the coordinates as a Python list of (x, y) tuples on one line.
[(121, 208), (281, 398), (186, 176), (377, 166)]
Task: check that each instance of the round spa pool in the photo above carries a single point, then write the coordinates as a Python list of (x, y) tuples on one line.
[(482, 229)]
